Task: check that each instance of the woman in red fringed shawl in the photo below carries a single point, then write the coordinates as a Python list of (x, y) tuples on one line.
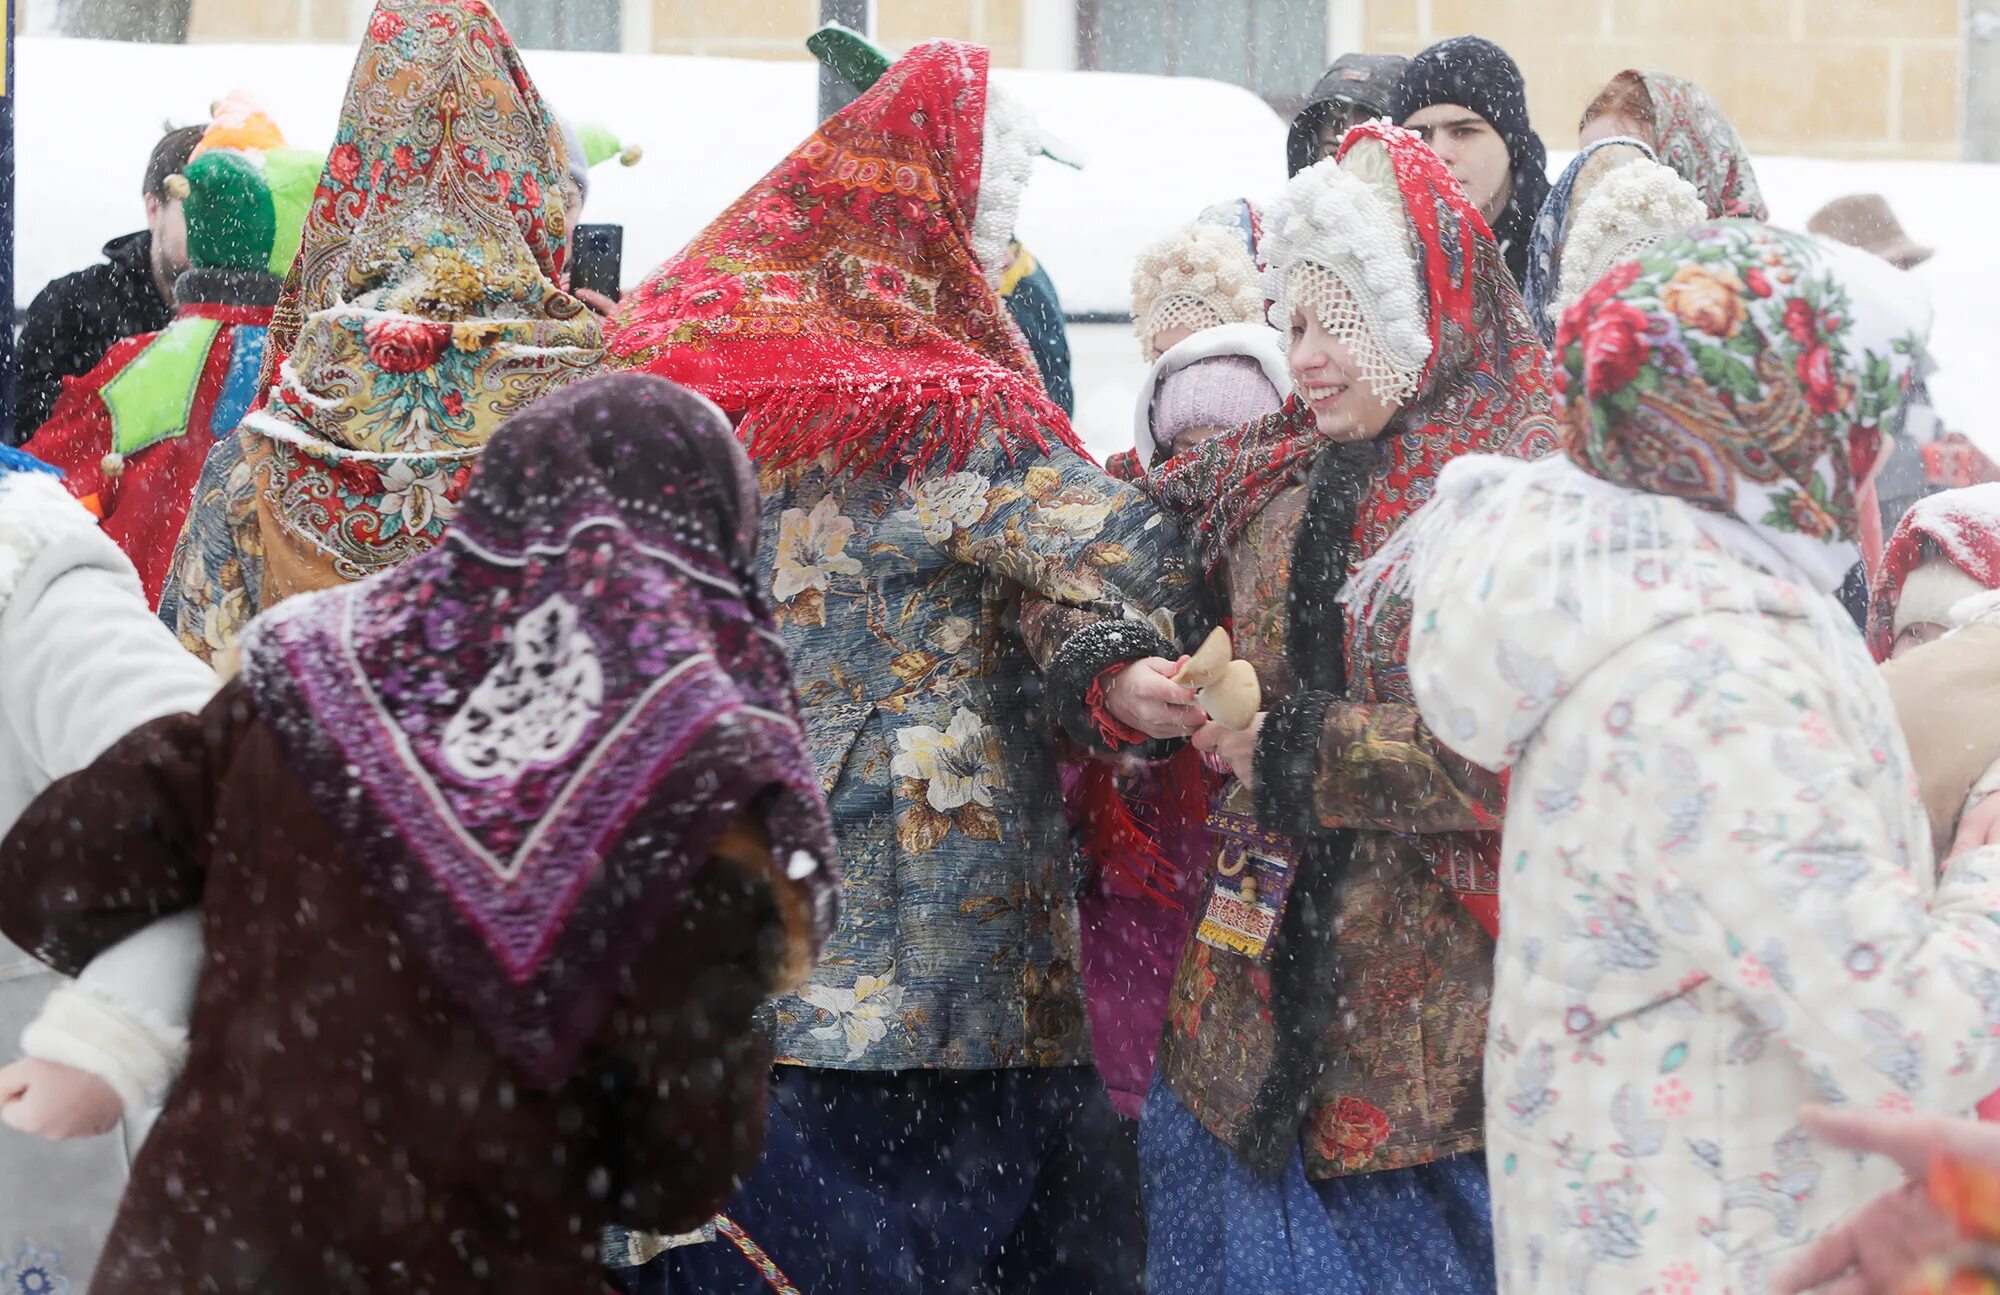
[(427, 305), (491, 851), (1316, 1122), (957, 586)]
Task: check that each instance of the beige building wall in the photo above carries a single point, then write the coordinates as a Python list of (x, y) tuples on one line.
[(724, 28), (778, 28), (1837, 78)]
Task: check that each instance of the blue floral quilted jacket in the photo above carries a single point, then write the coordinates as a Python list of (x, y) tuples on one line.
[(937, 697)]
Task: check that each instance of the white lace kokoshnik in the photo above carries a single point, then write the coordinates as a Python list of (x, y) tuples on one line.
[(1176, 311), (1322, 291), (1637, 207), (1337, 245)]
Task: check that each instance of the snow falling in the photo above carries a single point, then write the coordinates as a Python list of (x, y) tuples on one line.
[(1039, 645)]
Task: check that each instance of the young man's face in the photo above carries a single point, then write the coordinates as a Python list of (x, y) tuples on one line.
[(170, 236), (1473, 150), (1341, 117)]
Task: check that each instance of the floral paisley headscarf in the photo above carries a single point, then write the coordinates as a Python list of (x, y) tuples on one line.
[(1746, 371), (426, 306), (1691, 134), (1552, 228), (847, 302), (533, 735)]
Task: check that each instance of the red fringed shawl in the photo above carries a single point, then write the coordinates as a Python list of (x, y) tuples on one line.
[(838, 306)]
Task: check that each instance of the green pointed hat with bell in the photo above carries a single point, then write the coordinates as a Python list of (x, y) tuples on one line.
[(861, 62), (245, 206)]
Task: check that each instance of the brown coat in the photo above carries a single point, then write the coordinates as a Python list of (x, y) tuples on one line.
[(1395, 1075), (1947, 698), (341, 1125)]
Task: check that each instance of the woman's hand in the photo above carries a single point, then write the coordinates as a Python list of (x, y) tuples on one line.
[(1236, 748), (597, 301), (1144, 696), (57, 1102), (1876, 1248), (1979, 826)]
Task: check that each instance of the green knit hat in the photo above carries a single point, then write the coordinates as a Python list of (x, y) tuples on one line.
[(231, 223), (245, 193)]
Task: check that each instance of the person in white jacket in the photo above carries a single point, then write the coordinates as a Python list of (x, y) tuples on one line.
[(82, 662), (1719, 901)]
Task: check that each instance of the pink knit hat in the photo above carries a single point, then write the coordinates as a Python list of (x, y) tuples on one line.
[(1226, 391)]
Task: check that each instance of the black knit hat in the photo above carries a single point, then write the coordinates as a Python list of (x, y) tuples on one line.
[(1474, 73)]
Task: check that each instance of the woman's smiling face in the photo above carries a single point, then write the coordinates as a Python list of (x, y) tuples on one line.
[(1328, 375)]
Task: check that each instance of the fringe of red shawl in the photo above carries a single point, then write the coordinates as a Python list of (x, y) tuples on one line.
[(904, 422), (1120, 844)]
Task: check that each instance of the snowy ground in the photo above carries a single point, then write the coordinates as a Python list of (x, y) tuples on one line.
[(1158, 150)]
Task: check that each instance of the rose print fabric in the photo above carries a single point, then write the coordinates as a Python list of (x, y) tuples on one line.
[(426, 307), (1737, 370)]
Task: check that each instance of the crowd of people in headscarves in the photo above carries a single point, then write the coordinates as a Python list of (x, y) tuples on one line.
[(719, 792)]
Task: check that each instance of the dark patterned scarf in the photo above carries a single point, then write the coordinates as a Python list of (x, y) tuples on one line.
[(532, 736)]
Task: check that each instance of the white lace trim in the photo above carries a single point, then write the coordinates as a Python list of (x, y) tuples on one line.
[(1174, 312), (1199, 276), (1635, 208), (1362, 268), (1008, 156), (1327, 295)]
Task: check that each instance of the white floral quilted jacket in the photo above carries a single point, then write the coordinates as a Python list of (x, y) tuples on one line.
[(1718, 898)]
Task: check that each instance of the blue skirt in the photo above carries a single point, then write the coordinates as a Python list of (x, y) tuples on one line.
[(1214, 1226)]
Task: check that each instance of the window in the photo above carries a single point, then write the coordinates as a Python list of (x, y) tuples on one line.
[(562, 24), (1274, 47)]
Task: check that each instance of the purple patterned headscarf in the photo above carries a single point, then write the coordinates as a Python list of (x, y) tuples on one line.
[(533, 735)]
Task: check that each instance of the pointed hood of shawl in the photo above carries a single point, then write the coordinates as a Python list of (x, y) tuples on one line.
[(532, 736), (847, 302), (427, 303), (1961, 527)]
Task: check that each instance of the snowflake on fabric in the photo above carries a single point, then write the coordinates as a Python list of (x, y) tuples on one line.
[(34, 1272)]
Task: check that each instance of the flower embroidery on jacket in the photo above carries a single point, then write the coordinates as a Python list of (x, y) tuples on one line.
[(862, 1015), (952, 503), (34, 1272), (949, 776), (812, 550), (958, 765), (1348, 1131)]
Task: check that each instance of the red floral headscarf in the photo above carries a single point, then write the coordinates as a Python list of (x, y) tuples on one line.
[(840, 305), (1485, 389), (1963, 526)]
